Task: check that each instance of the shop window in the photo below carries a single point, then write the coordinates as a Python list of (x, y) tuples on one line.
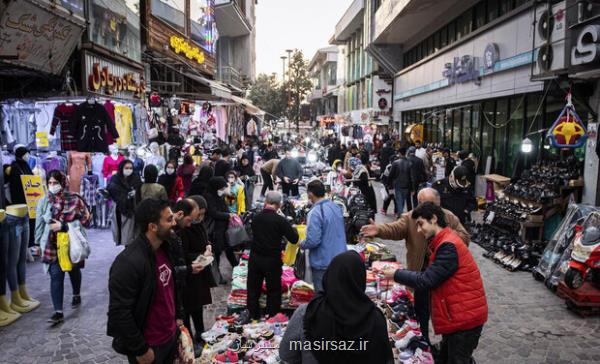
[(448, 128), (515, 132), (505, 6), (492, 10), (487, 135), (555, 102), (203, 25), (332, 70), (466, 129), (436, 42), (429, 46), (74, 6), (476, 130), (520, 2), (533, 124), (502, 116), (479, 14), (115, 25), (170, 11), (456, 129)]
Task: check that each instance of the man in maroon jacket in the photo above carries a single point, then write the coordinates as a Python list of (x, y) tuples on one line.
[(458, 304)]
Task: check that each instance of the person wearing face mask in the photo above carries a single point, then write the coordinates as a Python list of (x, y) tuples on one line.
[(335, 178), (172, 183), (248, 177), (138, 163), (55, 212), (223, 165), (217, 220), (236, 198), (145, 306), (122, 189), (289, 172)]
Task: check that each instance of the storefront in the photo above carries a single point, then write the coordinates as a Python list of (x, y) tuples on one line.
[(479, 95)]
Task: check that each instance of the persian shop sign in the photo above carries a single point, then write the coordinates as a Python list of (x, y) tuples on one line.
[(36, 38), (107, 78), (181, 46)]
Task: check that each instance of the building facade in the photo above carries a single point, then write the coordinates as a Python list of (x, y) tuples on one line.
[(323, 98), (236, 45), (482, 75)]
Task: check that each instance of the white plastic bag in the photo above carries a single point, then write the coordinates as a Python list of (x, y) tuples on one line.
[(384, 194), (79, 248)]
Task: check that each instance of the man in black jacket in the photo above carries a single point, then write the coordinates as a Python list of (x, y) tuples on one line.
[(268, 230), (469, 164), (401, 178), (386, 153), (456, 194), (419, 174), (144, 308), (289, 171), (270, 153)]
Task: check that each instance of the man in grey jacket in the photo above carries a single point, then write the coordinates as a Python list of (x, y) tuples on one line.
[(289, 171)]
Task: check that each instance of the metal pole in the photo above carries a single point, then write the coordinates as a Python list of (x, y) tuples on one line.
[(283, 69)]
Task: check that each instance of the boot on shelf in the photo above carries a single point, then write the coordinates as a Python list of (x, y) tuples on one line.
[(20, 305)]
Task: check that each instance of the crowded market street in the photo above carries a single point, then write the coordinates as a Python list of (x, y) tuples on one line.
[(284, 182), (528, 323)]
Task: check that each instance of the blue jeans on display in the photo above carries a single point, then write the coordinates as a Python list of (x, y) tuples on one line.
[(3, 261), (15, 233), (57, 284), (317, 277), (402, 195)]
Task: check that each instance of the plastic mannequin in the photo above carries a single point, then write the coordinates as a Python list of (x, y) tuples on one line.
[(20, 299), (138, 163), (7, 314), (111, 162), (156, 159)]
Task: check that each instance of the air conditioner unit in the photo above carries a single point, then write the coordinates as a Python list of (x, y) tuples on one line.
[(550, 32)]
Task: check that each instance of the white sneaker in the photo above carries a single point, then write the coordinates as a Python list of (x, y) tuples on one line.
[(403, 343)]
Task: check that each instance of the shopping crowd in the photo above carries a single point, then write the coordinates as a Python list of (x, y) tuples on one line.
[(174, 224)]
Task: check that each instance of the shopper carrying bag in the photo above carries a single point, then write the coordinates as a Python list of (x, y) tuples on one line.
[(59, 215)]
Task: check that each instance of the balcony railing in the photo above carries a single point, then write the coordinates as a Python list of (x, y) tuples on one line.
[(230, 76)]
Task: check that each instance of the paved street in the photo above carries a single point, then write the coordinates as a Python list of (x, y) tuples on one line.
[(528, 323)]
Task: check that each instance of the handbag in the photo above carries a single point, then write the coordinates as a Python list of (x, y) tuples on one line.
[(300, 264), (236, 232), (79, 247), (62, 251)]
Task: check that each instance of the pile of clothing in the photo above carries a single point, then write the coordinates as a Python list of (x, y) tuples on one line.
[(301, 293), (239, 283), (372, 251), (234, 339)]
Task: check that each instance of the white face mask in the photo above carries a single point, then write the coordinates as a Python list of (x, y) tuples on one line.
[(26, 157), (231, 181), (221, 192), (127, 172), (54, 189), (170, 170), (114, 153)]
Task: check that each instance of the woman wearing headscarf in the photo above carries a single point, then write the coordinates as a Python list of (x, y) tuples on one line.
[(186, 172), (342, 312), (196, 294), (172, 183), (122, 187), (360, 179), (217, 220), (246, 173), (200, 183), (151, 189), (56, 212)]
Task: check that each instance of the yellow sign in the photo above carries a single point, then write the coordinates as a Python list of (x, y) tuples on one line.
[(34, 191), (414, 133), (180, 45), (41, 139)]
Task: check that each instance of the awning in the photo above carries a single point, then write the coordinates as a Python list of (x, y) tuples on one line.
[(216, 88), (250, 108)]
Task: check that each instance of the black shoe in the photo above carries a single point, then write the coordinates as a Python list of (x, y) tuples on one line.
[(57, 318), (76, 301)]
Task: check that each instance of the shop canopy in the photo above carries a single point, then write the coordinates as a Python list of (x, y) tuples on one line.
[(216, 88)]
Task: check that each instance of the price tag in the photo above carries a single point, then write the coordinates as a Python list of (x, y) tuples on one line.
[(41, 139)]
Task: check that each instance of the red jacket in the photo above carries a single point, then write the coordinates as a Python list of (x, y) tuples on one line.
[(459, 303), (177, 192)]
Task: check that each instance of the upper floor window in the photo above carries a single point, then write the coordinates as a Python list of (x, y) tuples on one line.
[(202, 24), (115, 25), (171, 12)]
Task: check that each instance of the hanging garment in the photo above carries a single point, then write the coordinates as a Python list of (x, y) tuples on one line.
[(44, 115), (123, 124), (78, 164), (251, 128), (62, 116), (89, 185), (53, 162), (21, 121), (158, 161), (97, 164), (90, 122), (111, 166), (7, 136), (110, 109)]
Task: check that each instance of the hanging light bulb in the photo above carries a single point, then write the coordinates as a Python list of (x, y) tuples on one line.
[(527, 146)]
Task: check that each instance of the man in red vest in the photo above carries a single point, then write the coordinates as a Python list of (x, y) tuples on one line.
[(458, 304)]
